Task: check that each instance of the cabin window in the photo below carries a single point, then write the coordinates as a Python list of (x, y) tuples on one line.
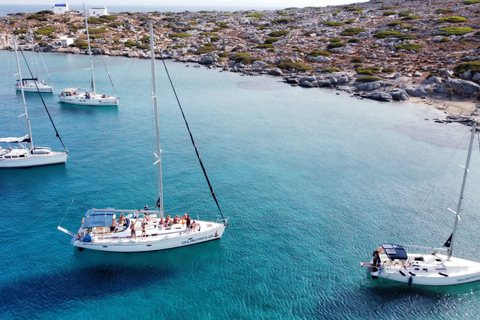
[(419, 259)]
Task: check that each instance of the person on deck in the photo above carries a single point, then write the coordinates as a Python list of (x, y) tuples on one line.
[(376, 258), (188, 221), (113, 225), (144, 225), (121, 219), (176, 220), (132, 229)]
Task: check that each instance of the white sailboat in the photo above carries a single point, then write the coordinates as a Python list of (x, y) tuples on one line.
[(20, 151), (394, 262), (87, 97), (144, 230), (32, 84)]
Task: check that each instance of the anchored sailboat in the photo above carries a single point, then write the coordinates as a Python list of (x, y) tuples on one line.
[(87, 97), (393, 262), (17, 154), (145, 230), (32, 84)]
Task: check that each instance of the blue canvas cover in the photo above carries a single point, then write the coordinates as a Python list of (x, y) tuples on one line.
[(395, 251), (97, 219)]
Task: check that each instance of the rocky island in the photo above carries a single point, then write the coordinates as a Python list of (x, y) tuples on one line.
[(389, 50)]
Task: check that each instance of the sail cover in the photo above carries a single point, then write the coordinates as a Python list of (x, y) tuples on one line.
[(395, 251), (25, 138), (94, 218)]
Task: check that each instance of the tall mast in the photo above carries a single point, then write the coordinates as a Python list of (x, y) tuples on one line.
[(33, 51), (23, 96), (157, 125), (89, 50), (460, 199)]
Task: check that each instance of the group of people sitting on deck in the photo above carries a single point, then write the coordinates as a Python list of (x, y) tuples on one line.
[(190, 226)]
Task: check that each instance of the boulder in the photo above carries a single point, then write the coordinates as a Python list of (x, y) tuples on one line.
[(378, 95), (463, 87), (276, 72), (398, 94), (417, 90)]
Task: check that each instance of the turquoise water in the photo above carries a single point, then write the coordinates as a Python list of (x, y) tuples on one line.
[(311, 181)]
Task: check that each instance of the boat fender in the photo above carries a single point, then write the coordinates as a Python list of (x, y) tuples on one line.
[(410, 280)]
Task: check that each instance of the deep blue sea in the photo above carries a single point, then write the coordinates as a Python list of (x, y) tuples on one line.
[(312, 181)]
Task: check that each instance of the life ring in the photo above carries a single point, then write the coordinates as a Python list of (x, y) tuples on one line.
[(380, 250)]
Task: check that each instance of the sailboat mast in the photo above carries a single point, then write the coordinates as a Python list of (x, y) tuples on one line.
[(460, 199), (33, 52), (23, 95), (89, 50), (157, 124)]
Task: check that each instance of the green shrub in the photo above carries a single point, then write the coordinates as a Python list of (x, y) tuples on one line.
[(388, 70), (144, 39), (210, 34), (443, 11), (115, 24), (394, 24), (386, 34), (271, 40), (368, 79), (19, 31), (80, 43), (368, 70), (471, 2), (45, 31), (405, 13), (179, 35), (410, 46), (283, 21), (352, 31), (335, 45), (257, 16), (408, 36), (330, 70), (206, 49), (333, 23), (39, 17), (96, 30), (357, 59), (412, 17), (353, 40), (130, 44), (389, 13), (94, 20), (244, 58), (264, 45), (444, 40), (318, 53), (455, 30), (279, 33), (473, 66), (452, 19), (288, 64)]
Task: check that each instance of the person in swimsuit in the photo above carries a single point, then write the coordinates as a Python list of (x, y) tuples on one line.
[(188, 223), (132, 229)]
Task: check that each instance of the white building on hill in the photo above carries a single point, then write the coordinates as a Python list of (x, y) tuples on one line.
[(60, 8), (97, 12)]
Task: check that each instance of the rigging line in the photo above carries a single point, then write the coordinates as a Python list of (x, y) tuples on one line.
[(109, 76), (447, 163), (44, 65), (43, 101), (191, 136)]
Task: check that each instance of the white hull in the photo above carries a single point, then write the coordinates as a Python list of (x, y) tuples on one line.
[(156, 239), (95, 100), (43, 88), (434, 270), (34, 160)]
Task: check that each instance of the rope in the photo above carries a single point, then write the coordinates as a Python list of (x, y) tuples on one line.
[(109, 76), (43, 101), (191, 136)]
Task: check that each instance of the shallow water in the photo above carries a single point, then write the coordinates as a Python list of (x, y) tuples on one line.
[(312, 181)]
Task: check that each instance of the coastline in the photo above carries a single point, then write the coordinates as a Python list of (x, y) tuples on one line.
[(365, 49)]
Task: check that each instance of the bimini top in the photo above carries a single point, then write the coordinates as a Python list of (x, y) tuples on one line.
[(97, 218), (395, 251)]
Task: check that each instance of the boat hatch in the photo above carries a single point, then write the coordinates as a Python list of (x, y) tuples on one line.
[(395, 251)]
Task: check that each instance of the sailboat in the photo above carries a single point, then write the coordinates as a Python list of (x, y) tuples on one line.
[(145, 230), (87, 97), (21, 152), (32, 84), (436, 267)]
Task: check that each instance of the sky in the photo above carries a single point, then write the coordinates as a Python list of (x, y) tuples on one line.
[(280, 4)]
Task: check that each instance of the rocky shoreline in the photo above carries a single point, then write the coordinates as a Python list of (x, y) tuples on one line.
[(419, 50)]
